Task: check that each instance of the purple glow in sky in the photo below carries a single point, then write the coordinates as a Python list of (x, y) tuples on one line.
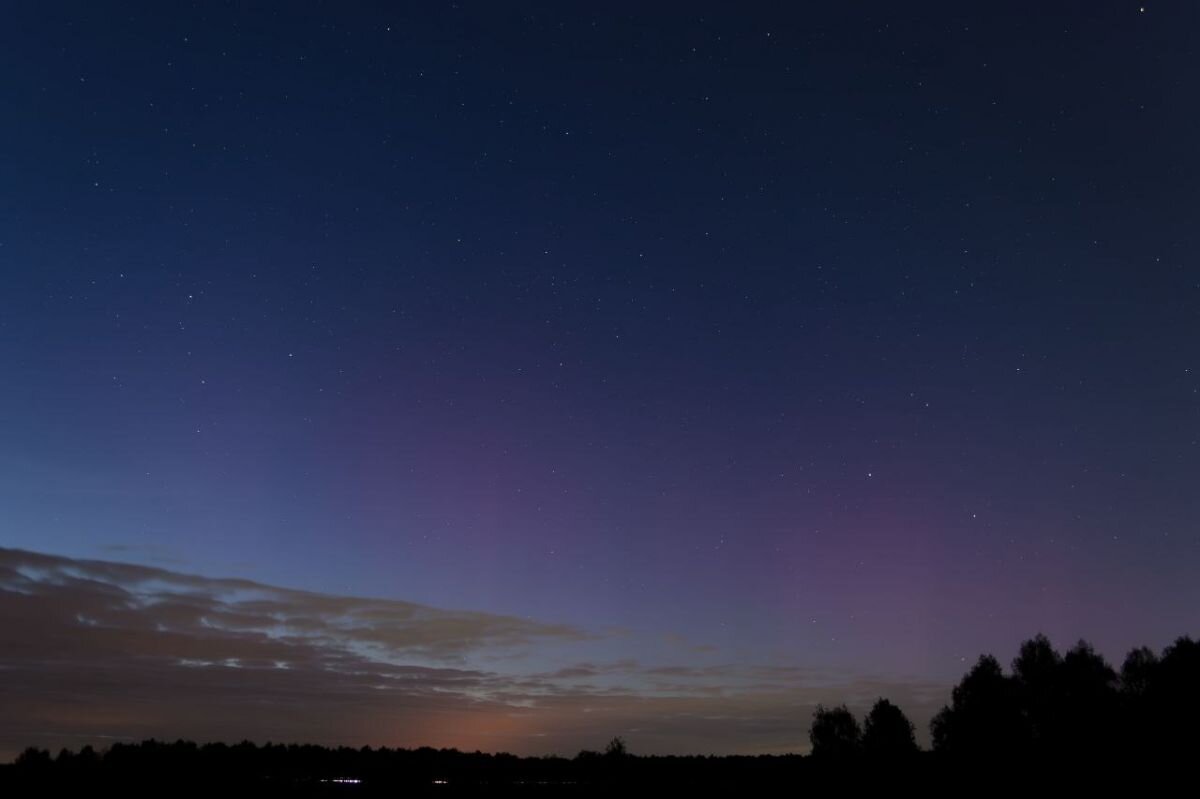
[(574, 373)]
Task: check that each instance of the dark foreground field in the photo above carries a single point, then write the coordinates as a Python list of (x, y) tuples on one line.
[(311, 770), (184, 769)]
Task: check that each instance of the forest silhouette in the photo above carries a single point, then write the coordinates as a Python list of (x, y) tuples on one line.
[(1068, 716)]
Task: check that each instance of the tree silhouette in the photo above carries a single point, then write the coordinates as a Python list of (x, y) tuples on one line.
[(887, 733), (1065, 711), (616, 748), (1173, 700), (1137, 672), (1036, 680), (983, 720), (834, 733), (33, 758), (1089, 705)]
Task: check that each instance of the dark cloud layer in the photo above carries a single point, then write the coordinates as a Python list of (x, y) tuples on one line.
[(93, 651)]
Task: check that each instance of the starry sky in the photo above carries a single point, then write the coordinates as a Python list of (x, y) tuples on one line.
[(648, 369)]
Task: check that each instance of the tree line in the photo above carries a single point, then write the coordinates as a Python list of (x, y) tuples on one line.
[(1071, 713), (1051, 709)]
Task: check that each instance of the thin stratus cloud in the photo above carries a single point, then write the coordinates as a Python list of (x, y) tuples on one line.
[(95, 651)]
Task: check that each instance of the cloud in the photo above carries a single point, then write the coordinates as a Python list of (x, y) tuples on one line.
[(169, 611), (95, 650)]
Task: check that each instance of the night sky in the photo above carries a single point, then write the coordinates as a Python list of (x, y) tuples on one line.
[(571, 371)]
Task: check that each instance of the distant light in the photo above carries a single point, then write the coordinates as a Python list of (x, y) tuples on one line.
[(441, 782)]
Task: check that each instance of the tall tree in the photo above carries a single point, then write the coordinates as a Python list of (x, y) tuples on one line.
[(887, 733), (834, 733), (1037, 671), (983, 720)]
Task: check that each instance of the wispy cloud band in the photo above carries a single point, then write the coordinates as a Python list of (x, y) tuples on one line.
[(95, 650)]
